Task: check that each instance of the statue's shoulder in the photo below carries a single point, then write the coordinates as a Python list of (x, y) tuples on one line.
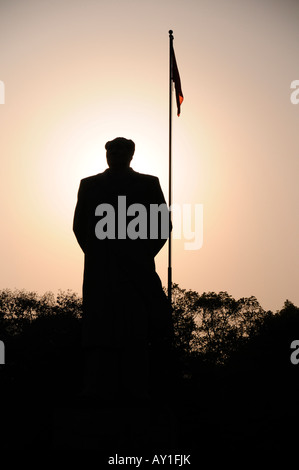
[(90, 181), (146, 178)]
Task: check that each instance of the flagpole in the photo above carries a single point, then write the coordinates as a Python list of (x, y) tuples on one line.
[(170, 166)]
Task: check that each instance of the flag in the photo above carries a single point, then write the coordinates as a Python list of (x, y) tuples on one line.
[(175, 76)]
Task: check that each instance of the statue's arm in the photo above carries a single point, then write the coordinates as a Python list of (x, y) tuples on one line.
[(80, 217)]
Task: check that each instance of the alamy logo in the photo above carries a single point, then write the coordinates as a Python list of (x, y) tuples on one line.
[(295, 94), (2, 92), (294, 356), (153, 224), (2, 353)]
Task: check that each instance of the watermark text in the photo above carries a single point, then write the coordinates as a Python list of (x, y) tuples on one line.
[(295, 94), (140, 222), (2, 353), (295, 354)]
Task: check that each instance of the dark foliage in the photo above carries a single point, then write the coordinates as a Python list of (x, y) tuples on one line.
[(235, 374), (210, 327), (42, 340), (213, 326)]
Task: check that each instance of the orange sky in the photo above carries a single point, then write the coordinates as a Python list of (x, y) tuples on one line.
[(79, 73)]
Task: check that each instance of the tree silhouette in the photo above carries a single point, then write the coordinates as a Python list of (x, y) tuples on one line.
[(234, 361), (212, 325)]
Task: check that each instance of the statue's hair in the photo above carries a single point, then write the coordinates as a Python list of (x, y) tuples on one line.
[(121, 147)]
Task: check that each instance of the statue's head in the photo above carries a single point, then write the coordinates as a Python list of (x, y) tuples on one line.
[(119, 153)]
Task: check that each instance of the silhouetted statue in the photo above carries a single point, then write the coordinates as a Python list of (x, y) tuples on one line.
[(124, 305)]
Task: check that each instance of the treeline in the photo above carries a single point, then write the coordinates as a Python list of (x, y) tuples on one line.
[(211, 327), (20, 308), (234, 379)]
